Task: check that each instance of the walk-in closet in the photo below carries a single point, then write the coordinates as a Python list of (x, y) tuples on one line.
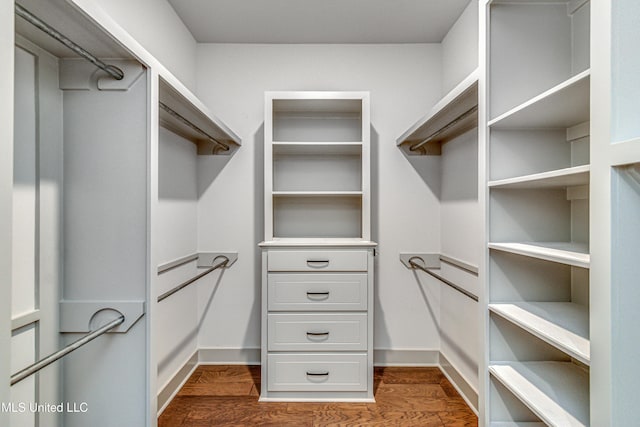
[(336, 213)]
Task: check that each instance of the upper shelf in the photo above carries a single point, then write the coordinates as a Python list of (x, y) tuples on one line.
[(189, 109), (562, 106), (455, 114), (576, 175)]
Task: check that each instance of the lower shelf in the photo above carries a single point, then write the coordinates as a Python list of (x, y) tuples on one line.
[(568, 253), (557, 392), (564, 325)]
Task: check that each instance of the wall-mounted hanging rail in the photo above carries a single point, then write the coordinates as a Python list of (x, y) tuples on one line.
[(445, 128), (32, 369), (186, 122), (221, 264), (455, 114), (432, 263), (112, 70)]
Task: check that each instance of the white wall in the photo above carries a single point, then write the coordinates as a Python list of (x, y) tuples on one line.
[(157, 27), (461, 230), (404, 81), (176, 316), (460, 48)]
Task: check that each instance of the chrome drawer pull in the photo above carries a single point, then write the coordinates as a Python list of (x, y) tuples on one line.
[(318, 263), (317, 334), (318, 374), (326, 293)]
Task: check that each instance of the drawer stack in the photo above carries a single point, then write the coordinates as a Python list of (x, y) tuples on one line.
[(317, 324)]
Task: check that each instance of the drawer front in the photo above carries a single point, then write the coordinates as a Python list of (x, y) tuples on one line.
[(317, 292), (312, 260), (317, 332), (321, 372)]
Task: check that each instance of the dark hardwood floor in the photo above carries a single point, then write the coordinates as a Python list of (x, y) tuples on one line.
[(228, 396)]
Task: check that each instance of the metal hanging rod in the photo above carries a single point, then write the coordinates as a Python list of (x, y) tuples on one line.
[(112, 70), (414, 264), (445, 128), (168, 109), (32, 369), (223, 263)]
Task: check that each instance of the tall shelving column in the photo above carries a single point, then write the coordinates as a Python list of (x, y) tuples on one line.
[(537, 195), (317, 257)]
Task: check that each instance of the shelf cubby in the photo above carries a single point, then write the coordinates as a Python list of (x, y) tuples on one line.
[(317, 120), (557, 392), (534, 46), (314, 215), (565, 325), (315, 167)]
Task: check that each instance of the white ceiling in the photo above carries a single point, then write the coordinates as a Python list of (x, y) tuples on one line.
[(319, 21)]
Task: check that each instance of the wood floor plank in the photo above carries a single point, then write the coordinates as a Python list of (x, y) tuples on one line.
[(228, 396)]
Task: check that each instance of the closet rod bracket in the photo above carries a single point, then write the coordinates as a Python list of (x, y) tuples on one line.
[(83, 316)]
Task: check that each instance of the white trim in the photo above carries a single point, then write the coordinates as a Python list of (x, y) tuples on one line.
[(229, 356), (176, 382), (405, 357), (467, 391)]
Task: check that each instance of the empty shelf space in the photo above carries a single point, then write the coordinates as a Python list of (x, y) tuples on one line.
[(453, 115), (316, 193), (322, 147), (564, 325), (557, 392), (577, 175), (563, 106), (569, 253)]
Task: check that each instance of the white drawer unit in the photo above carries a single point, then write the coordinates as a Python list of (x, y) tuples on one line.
[(317, 331), (317, 372), (317, 256), (317, 260), (317, 292)]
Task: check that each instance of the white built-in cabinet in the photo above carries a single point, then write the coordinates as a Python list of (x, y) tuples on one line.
[(317, 257), (538, 227), (86, 230)]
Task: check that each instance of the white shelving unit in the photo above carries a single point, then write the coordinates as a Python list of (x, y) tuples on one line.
[(455, 114), (317, 340), (538, 179)]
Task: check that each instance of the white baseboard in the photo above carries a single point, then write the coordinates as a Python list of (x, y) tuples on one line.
[(229, 356), (466, 390), (405, 357), (171, 388)]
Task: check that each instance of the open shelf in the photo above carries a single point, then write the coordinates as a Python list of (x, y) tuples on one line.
[(317, 193), (577, 175), (562, 106), (317, 120), (564, 325), (317, 168), (569, 253), (196, 115), (461, 99), (557, 392)]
